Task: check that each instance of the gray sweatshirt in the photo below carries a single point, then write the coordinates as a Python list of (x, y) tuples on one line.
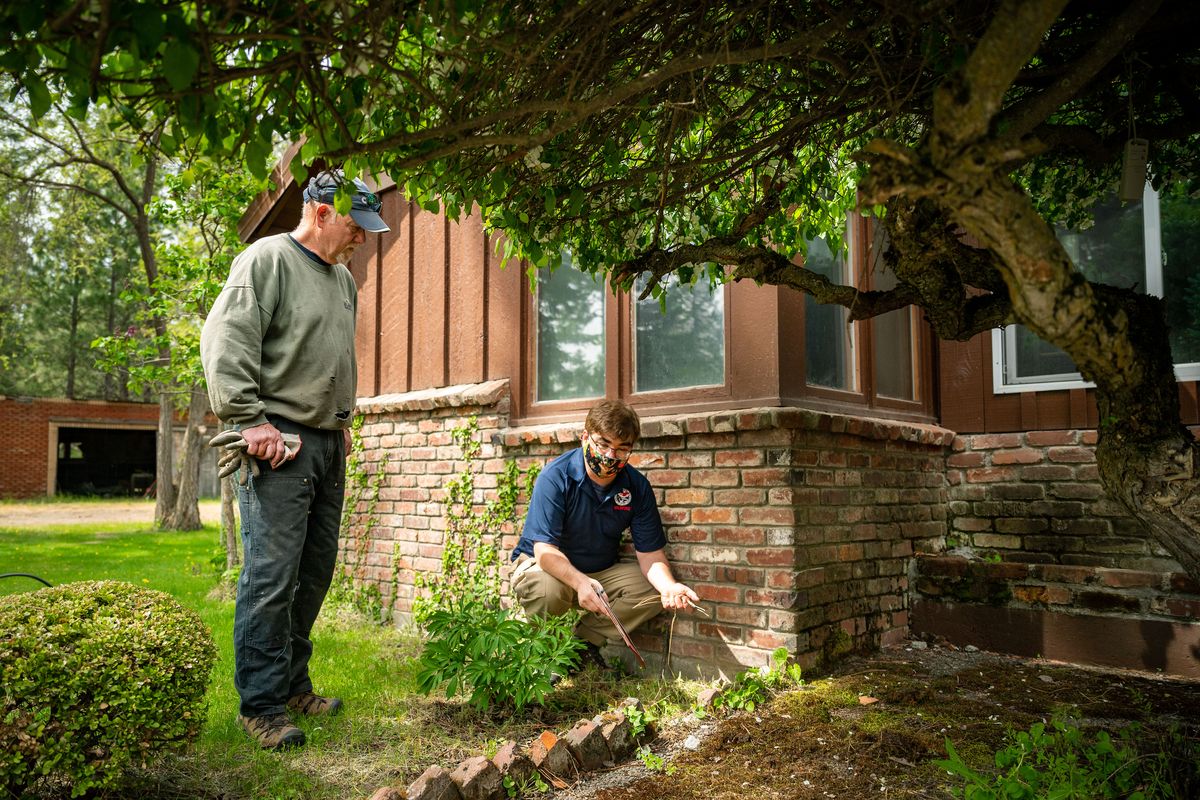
[(280, 339)]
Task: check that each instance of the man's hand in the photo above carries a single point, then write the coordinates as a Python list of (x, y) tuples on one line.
[(266, 442), (347, 440), (588, 591), (677, 595)]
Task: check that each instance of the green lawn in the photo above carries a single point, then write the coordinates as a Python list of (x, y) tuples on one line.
[(388, 735)]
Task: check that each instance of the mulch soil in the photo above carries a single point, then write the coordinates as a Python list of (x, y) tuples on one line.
[(875, 726)]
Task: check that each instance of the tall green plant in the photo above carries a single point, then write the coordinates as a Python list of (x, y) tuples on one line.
[(477, 646)]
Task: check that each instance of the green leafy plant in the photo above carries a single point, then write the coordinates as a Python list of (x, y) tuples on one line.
[(654, 762), (1063, 762), (475, 645), (753, 686), (531, 785), (493, 655), (639, 719), (96, 677)]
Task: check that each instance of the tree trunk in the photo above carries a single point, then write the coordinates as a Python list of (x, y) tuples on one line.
[(164, 483), (229, 528), (1147, 459), (185, 515)]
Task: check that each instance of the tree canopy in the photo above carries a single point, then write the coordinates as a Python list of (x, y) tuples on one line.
[(717, 139)]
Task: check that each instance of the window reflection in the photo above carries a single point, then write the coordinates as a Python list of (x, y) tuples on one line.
[(570, 334), (683, 345), (828, 336), (893, 344)]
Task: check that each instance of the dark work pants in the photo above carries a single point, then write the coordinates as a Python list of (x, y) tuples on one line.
[(290, 521)]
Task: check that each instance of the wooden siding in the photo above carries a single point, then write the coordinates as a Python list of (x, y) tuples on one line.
[(968, 404), (435, 309)]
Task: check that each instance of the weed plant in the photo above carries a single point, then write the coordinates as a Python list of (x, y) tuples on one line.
[(1062, 761), (753, 686)]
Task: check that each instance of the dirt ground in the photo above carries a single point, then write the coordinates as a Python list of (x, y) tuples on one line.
[(89, 512), (875, 726)]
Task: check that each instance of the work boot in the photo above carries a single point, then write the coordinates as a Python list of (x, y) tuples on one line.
[(273, 731), (311, 704)]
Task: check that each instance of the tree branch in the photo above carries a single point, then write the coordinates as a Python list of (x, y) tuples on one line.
[(1019, 120), (964, 106)]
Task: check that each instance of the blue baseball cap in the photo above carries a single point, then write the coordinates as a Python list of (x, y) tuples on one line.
[(364, 204)]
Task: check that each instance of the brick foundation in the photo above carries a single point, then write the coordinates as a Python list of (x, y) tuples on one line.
[(822, 533), (795, 527), (1033, 537)]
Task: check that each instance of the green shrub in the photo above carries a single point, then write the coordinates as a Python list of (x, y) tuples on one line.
[(494, 656), (95, 677)]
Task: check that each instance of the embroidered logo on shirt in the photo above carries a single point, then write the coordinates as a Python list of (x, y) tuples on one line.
[(622, 500)]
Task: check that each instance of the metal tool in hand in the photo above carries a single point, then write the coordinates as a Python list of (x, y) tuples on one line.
[(236, 457), (608, 612)]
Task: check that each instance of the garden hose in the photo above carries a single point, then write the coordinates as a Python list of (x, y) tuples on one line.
[(26, 575)]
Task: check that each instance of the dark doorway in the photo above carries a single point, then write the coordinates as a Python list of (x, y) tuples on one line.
[(105, 461)]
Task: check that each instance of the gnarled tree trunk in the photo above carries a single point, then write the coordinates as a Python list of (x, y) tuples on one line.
[(1148, 460)]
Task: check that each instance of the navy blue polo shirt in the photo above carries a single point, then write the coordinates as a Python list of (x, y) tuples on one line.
[(585, 521)]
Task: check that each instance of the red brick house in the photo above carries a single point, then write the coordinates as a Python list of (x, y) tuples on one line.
[(76, 446), (84, 447), (825, 486)]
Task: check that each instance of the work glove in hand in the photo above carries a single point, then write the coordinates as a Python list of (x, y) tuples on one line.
[(236, 459)]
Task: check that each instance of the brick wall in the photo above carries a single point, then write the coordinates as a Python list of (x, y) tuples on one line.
[(1033, 534), (795, 527), (25, 431)]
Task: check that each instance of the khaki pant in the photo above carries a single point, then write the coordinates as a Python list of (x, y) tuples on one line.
[(541, 594)]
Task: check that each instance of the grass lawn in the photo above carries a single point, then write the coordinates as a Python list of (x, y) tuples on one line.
[(388, 734)]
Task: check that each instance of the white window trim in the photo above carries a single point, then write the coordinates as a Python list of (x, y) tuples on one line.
[(1004, 340)]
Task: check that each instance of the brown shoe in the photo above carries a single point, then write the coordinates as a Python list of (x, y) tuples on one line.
[(311, 704), (272, 732)]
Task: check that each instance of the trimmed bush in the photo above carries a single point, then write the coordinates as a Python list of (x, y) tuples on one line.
[(95, 677)]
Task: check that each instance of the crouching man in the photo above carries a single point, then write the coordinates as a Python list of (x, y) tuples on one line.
[(582, 504)]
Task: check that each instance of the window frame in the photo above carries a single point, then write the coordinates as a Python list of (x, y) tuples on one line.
[(667, 395), (765, 355), (619, 363), (1004, 340), (865, 238)]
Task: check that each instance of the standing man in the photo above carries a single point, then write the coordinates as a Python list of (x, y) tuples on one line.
[(278, 353), (583, 501)]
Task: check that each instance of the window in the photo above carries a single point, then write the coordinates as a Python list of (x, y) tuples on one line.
[(570, 334), (738, 345), (873, 361), (683, 344), (1151, 245), (591, 343), (828, 334), (893, 342)]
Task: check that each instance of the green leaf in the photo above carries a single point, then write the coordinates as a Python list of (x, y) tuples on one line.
[(298, 170), (148, 27), (39, 95), (180, 62)]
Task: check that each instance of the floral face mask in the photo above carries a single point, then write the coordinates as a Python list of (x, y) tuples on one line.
[(599, 462)]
